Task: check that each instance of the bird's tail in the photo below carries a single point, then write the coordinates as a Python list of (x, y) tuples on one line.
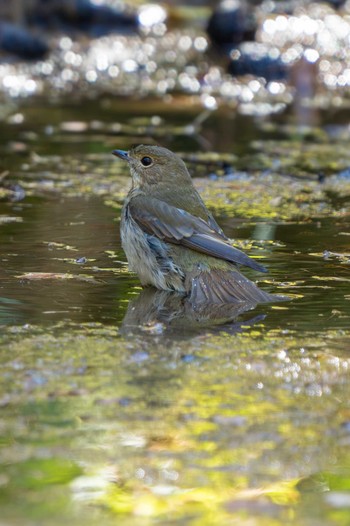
[(226, 286)]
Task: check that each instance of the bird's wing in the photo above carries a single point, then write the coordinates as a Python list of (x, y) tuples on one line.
[(177, 226), (214, 226)]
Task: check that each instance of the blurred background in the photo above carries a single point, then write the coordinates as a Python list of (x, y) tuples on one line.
[(290, 49)]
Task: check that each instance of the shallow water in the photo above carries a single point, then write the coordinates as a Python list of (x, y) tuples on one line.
[(110, 414)]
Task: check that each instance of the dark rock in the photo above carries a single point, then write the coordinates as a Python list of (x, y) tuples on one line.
[(254, 59), (321, 177), (337, 4), (82, 16), (20, 42), (231, 23)]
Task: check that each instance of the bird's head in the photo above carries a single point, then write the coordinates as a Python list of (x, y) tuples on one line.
[(154, 165)]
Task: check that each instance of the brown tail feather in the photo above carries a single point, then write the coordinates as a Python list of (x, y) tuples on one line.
[(223, 287)]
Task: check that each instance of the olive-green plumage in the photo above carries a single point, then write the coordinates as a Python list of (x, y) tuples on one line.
[(170, 238)]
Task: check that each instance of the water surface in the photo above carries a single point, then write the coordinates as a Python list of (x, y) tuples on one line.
[(106, 418)]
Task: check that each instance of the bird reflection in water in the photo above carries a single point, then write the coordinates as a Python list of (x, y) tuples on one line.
[(164, 312)]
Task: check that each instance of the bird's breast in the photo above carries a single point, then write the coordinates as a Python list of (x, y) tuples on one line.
[(148, 256)]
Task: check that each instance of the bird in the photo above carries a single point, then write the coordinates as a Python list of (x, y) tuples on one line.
[(172, 241)]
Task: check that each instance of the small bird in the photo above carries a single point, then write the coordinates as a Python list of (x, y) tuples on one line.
[(172, 241)]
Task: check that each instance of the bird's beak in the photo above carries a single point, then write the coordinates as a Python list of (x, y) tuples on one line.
[(121, 154)]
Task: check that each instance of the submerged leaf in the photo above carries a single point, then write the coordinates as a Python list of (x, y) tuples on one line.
[(32, 276)]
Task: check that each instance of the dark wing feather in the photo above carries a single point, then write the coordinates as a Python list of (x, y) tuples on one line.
[(177, 226), (227, 287), (221, 249), (214, 226)]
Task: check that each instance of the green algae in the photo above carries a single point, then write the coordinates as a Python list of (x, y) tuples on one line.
[(177, 437), (259, 195), (274, 197)]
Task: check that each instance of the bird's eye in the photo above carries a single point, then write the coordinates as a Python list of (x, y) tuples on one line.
[(146, 161)]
